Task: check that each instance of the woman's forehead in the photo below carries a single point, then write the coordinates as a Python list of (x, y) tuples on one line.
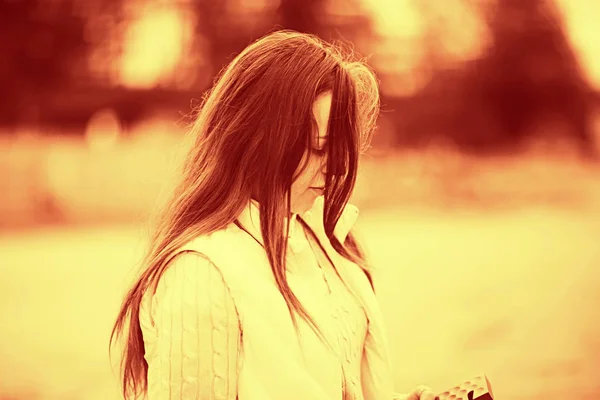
[(321, 111)]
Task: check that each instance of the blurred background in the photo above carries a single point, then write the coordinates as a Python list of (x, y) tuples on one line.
[(480, 198)]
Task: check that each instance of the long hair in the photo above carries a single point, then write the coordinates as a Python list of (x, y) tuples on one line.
[(250, 134)]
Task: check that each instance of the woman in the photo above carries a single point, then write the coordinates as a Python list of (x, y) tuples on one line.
[(254, 287)]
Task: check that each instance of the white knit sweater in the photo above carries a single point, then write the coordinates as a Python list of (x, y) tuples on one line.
[(192, 333)]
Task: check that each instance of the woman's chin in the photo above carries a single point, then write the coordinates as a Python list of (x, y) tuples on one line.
[(306, 203)]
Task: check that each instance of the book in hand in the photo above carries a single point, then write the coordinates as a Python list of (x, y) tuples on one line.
[(478, 388)]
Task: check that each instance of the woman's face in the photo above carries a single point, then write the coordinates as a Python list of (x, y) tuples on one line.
[(310, 183)]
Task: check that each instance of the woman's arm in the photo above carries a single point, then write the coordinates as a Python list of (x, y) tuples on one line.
[(198, 334)]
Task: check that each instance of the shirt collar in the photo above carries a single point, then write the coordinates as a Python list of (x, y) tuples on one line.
[(250, 220)]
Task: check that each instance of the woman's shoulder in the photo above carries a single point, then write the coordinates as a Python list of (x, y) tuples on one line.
[(186, 274), (235, 253), (183, 287), (184, 271), (187, 265), (220, 240)]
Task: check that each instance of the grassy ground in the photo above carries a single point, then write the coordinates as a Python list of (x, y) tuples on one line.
[(513, 294)]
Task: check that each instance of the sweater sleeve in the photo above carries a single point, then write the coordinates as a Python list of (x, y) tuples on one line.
[(197, 334)]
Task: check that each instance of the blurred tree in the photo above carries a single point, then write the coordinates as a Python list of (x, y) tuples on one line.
[(40, 41), (223, 29), (302, 15), (45, 49), (531, 75), (340, 21), (58, 57), (527, 85), (226, 27)]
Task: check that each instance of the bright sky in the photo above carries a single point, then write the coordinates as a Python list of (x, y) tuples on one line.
[(582, 18)]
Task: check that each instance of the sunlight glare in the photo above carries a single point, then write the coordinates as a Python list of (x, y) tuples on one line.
[(581, 18), (154, 46)]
